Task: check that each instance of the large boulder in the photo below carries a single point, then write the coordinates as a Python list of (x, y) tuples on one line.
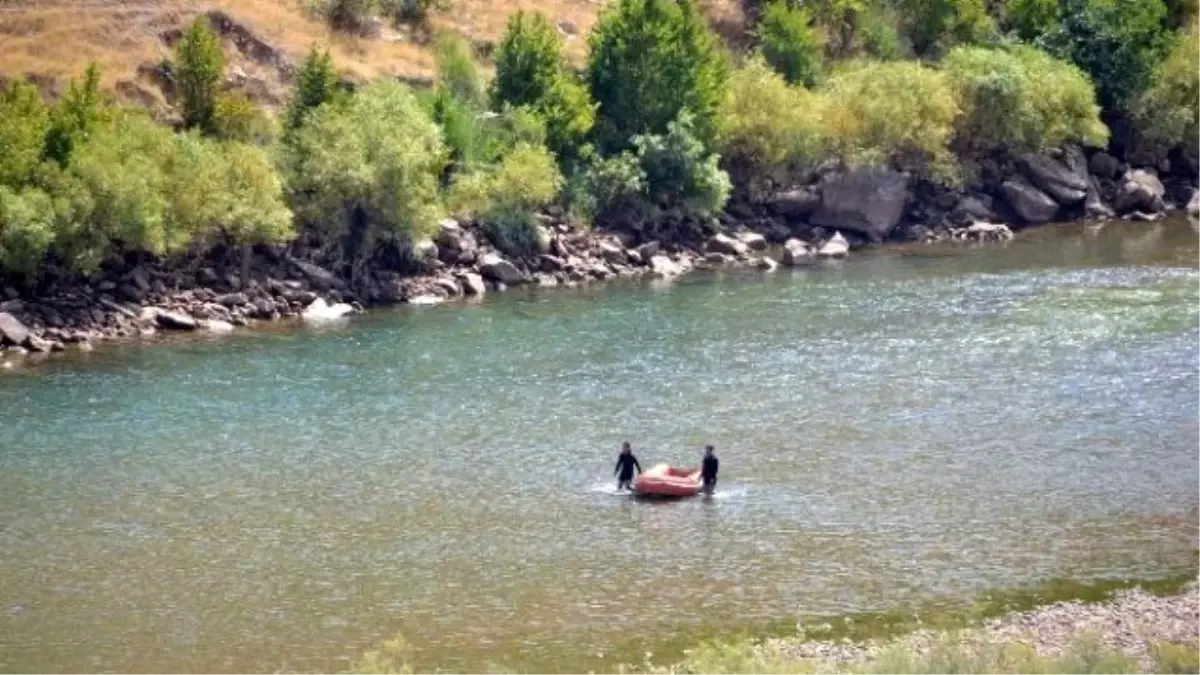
[(1093, 206), (498, 269), (796, 253), (662, 266), (976, 207), (453, 238), (868, 201), (1055, 178), (473, 283), (795, 203), (648, 250), (233, 299), (723, 243), (1030, 203), (1104, 165), (12, 331), (174, 320), (318, 275), (835, 247), (612, 252), (753, 241), (1140, 190)]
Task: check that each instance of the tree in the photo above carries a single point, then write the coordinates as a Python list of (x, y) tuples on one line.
[(934, 26), (74, 116), (24, 120), (790, 43), (316, 85), (650, 61), (532, 71), (1165, 114), (1031, 19), (367, 171), (199, 62), (1117, 42), (456, 69)]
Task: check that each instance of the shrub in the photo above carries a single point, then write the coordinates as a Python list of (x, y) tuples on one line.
[(532, 71), (790, 43), (412, 11), (199, 62), (367, 170), (608, 186), (680, 172), (506, 196), (651, 60), (1117, 42), (237, 118), (74, 116), (456, 71), (26, 229), (899, 113), (1031, 19), (348, 14), (24, 121), (1021, 99), (316, 85), (766, 125), (934, 26), (1176, 658), (1165, 114), (879, 33)]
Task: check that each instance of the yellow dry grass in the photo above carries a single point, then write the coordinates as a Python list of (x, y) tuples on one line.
[(54, 40)]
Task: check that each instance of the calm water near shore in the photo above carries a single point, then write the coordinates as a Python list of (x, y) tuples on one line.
[(911, 423)]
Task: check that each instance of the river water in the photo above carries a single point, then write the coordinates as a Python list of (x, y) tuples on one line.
[(909, 424)]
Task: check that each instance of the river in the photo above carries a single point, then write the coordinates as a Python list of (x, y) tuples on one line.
[(912, 423)]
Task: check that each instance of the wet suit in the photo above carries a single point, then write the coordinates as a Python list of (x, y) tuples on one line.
[(708, 472), (625, 465)]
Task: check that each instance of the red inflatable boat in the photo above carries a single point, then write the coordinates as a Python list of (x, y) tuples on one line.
[(668, 481)]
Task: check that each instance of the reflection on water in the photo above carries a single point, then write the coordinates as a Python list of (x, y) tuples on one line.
[(912, 423)]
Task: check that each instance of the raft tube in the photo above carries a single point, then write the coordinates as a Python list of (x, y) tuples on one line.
[(668, 481)]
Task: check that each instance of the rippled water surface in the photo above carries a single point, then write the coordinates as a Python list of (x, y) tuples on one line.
[(906, 425)]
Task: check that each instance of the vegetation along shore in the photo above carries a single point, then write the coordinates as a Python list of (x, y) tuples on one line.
[(197, 197)]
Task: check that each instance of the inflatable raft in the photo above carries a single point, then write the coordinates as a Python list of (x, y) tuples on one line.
[(667, 481)]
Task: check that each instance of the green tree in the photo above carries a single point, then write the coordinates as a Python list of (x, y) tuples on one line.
[(934, 26), (74, 116), (1165, 114), (237, 118), (26, 229), (650, 61), (1117, 42), (532, 71), (24, 120), (1031, 19), (367, 171), (199, 62), (790, 43), (316, 85), (456, 69), (680, 172)]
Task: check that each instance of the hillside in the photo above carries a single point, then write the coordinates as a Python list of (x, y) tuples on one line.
[(49, 41)]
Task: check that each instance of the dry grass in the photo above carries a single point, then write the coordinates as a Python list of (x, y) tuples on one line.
[(54, 40)]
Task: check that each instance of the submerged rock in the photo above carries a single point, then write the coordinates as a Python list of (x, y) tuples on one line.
[(662, 266), (836, 247)]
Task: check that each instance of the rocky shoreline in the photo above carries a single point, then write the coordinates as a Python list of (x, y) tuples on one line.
[(829, 213), (1132, 622)]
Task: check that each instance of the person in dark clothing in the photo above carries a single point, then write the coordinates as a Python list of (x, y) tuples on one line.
[(626, 463), (708, 470)]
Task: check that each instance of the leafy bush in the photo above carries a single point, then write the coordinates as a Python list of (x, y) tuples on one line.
[(651, 60), (349, 15), (456, 71), (899, 113), (199, 63), (74, 116), (506, 196), (26, 229), (1031, 19), (367, 170), (680, 172), (1021, 99), (24, 120), (1117, 42), (790, 43), (1165, 114), (609, 185), (768, 126), (934, 26), (879, 32), (316, 85), (412, 11), (237, 118), (532, 71)]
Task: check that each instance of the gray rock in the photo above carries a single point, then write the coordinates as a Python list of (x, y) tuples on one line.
[(796, 253), (976, 208), (11, 306), (140, 278), (36, 344), (130, 293), (448, 285), (984, 231), (766, 264), (648, 250), (1054, 178), (753, 241), (867, 201), (498, 269), (425, 250), (1104, 165), (263, 308), (318, 275), (795, 203), (544, 239), (1030, 203), (215, 326), (612, 252), (473, 283), (1140, 190), (12, 331), (836, 247), (302, 298), (717, 258), (173, 320), (233, 299), (725, 244), (1193, 205), (662, 266), (1093, 206), (551, 263), (1074, 159)]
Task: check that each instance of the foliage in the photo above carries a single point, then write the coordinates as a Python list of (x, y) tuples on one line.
[(609, 185), (368, 169), (316, 85), (651, 60), (348, 14), (1117, 42), (768, 126), (24, 121), (1031, 19), (26, 228), (1165, 114), (199, 63), (1021, 99), (790, 43), (1176, 658), (412, 11), (456, 71), (74, 116), (532, 71), (506, 196), (934, 26), (237, 118), (680, 172), (899, 113), (879, 33)]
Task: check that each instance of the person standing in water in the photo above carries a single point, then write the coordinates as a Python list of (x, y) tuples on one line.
[(626, 463), (708, 470)]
